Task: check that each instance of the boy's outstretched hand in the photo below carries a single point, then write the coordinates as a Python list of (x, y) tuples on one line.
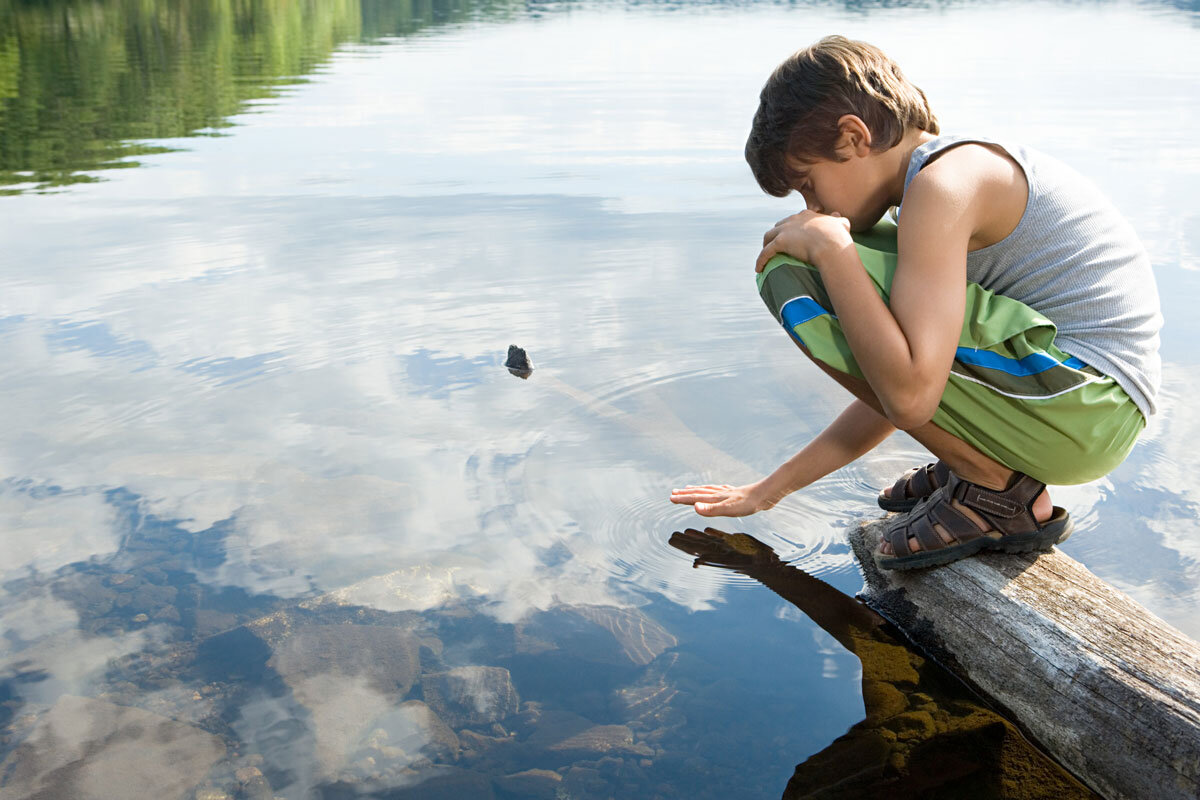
[(723, 500)]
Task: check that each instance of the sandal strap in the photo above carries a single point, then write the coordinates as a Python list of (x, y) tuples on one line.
[(958, 525), (900, 487), (897, 537), (921, 524), (921, 482), (927, 534), (1008, 510)]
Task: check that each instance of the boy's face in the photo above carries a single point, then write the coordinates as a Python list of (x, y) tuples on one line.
[(855, 188)]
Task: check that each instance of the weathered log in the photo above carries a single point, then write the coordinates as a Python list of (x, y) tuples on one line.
[(1106, 687)]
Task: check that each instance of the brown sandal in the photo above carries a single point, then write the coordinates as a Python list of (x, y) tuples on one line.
[(1009, 512), (914, 486)]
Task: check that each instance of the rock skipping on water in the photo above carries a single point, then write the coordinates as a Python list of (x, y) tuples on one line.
[(518, 362)]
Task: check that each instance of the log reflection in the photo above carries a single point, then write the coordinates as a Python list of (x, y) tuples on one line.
[(924, 735)]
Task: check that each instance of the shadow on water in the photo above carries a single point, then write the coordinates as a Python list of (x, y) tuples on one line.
[(924, 734)]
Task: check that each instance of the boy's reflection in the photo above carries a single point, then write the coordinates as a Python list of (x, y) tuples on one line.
[(925, 735)]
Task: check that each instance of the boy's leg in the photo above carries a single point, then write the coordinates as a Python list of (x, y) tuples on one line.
[(963, 459), (1013, 401)]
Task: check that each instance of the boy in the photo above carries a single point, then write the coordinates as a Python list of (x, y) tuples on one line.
[(1011, 327)]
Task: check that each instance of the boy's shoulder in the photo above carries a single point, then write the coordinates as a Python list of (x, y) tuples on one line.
[(980, 179), (969, 164)]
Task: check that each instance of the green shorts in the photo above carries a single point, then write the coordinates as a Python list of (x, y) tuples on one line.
[(1011, 393)]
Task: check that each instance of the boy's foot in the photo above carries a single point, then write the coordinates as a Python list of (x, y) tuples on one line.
[(914, 486), (962, 518)]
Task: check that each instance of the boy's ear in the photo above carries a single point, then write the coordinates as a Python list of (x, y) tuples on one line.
[(854, 137)]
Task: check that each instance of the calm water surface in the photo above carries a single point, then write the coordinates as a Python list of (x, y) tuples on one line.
[(278, 523)]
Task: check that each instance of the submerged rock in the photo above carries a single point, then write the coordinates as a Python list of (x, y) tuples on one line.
[(597, 634), (480, 745), (253, 785), (569, 737), (83, 748), (545, 727), (600, 740), (417, 731), (387, 658), (641, 639), (537, 784), (471, 696), (586, 782), (87, 593), (348, 677), (447, 784), (648, 703)]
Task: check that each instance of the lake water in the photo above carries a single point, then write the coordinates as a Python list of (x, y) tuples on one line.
[(276, 520)]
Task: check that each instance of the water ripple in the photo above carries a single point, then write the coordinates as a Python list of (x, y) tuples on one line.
[(629, 437)]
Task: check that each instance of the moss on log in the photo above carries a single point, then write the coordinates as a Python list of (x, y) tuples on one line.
[(1110, 690)]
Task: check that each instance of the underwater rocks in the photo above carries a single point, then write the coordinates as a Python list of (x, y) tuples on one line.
[(597, 634), (471, 696), (599, 740), (350, 679), (647, 703), (340, 701), (386, 659), (561, 736), (639, 638), (417, 730), (447, 784), (536, 784), (82, 748), (406, 735)]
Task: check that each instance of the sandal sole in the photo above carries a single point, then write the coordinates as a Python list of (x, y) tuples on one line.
[(1050, 534)]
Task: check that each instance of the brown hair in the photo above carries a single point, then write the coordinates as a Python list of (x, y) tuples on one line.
[(806, 95)]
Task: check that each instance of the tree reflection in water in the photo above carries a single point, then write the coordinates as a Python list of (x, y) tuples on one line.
[(925, 735)]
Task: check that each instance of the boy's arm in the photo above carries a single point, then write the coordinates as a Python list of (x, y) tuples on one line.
[(856, 431), (905, 347)]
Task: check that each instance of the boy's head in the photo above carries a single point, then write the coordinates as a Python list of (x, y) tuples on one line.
[(806, 95)]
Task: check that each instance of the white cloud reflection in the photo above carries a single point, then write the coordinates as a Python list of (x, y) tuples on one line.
[(290, 340)]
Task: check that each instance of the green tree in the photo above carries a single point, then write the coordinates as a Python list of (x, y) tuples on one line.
[(84, 83)]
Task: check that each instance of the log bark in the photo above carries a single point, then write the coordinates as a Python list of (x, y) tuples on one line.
[(1110, 690)]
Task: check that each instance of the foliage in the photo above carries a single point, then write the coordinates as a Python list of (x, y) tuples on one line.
[(81, 81)]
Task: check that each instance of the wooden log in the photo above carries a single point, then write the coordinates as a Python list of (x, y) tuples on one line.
[(1109, 689)]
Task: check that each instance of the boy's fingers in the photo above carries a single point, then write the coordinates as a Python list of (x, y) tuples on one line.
[(766, 255), (691, 497), (725, 508), (698, 497)]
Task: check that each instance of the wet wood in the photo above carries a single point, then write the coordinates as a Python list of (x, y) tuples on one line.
[(1110, 690)]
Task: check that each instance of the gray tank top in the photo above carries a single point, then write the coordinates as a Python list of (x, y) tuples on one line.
[(1075, 259)]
